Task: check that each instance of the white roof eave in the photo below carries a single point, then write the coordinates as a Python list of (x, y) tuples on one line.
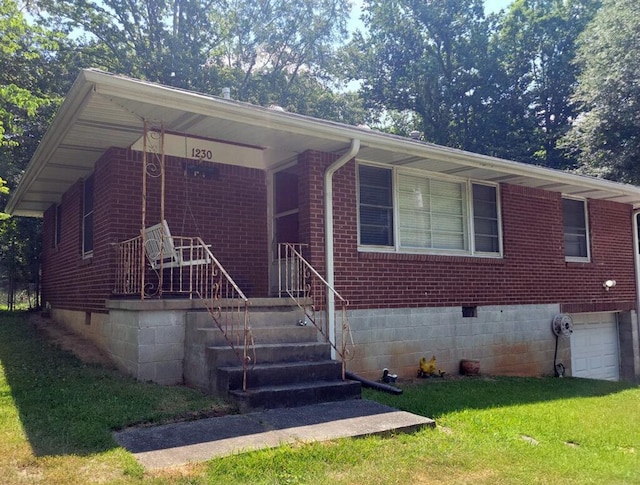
[(153, 97)]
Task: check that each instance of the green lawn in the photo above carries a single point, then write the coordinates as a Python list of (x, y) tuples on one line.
[(56, 417)]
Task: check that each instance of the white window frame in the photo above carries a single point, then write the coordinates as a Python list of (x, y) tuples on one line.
[(57, 227), (394, 221), (472, 228), (88, 253), (469, 223), (585, 206)]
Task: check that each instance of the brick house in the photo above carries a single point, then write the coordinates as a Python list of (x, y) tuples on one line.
[(437, 251)]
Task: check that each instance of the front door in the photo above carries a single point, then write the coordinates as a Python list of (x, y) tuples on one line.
[(285, 216)]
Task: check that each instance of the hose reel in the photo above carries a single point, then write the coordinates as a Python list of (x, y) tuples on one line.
[(561, 325)]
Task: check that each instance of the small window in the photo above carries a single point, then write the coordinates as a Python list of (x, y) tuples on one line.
[(469, 311), (87, 217), (576, 241), (485, 219), (58, 226), (376, 206)]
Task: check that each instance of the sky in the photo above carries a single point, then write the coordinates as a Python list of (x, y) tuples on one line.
[(489, 5), (495, 5)]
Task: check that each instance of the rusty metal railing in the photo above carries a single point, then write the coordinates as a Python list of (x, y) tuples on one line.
[(192, 271), (308, 289)]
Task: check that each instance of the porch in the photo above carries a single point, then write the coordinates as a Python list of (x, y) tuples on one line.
[(178, 317)]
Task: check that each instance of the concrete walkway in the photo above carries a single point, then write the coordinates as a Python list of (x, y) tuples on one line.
[(177, 444)]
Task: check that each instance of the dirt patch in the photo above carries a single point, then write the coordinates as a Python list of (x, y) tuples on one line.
[(62, 337)]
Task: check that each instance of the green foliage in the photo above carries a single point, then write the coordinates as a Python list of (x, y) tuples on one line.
[(279, 40), (20, 247), (430, 58), (536, 46), (498, 85), (21, 46), (35, 70), (278, 52), (4, 190), (150, 39), (606, 134)]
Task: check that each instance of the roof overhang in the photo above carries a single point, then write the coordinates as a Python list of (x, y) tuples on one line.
[(104, 110)]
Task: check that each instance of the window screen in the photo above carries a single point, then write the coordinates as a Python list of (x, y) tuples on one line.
[(376, 206), (432, 213), (485, 219), (575, 228), (87, 216)]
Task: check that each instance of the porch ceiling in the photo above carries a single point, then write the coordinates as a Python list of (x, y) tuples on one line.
[(103, 111)]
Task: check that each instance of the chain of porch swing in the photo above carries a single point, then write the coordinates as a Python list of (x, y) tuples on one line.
[(213, 309)]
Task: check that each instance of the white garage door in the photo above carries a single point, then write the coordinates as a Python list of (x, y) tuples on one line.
[(594, 346)]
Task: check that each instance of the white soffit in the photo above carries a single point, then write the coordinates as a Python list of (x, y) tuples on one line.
[(104, 110)]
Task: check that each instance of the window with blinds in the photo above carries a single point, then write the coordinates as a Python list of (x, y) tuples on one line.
[(576, 242), (376, 206), (411, 213), (432, 214)]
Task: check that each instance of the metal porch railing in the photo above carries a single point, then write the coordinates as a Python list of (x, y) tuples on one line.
[(308, 289), (204, 278)]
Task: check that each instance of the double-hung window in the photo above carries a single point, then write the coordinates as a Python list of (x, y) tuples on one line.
[(432, 214), (57, 237), (486, 221), (576, 229), (87, 217), (376, 206), (410, 212)]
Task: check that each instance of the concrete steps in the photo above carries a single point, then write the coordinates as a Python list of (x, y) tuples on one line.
[(297, 394), (291, 368), (230, 378), (223, 355)]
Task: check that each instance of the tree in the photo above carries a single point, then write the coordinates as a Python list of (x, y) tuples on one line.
[(536, 46), (20, 250), (32, 75), (266, 51), (157, 40), (21, 93), (431, 58), (606, 135), (278, 40)]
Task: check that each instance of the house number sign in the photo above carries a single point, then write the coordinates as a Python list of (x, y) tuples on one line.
[(201, 153), (200, 149)]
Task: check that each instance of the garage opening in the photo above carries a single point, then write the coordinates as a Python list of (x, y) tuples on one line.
[(595, 349)]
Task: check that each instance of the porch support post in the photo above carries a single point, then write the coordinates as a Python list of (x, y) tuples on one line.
[(162, 173), (328, 235), (144, 207)]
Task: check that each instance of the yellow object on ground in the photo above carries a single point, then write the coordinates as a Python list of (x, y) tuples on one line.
[(428, 368)]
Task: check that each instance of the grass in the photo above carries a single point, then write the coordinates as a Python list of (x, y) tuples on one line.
[(56, 417), (57, 413)]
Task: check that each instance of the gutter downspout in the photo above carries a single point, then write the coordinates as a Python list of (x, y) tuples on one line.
[(328, 233), (635, 329)]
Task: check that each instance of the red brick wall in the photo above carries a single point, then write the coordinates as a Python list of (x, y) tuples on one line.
[(70, 281), (533, 269), (227, 210)]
